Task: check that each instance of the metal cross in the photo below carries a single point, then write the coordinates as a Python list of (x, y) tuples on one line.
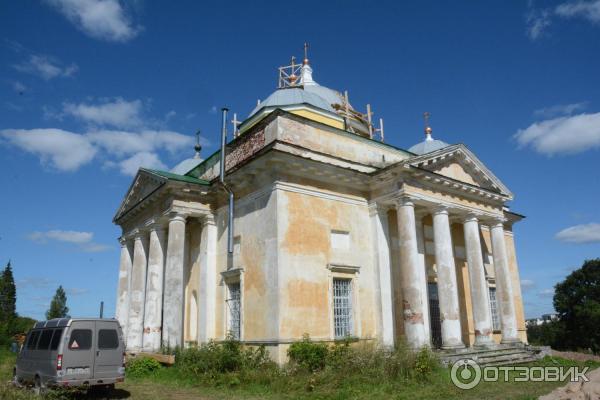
[(235, 123)]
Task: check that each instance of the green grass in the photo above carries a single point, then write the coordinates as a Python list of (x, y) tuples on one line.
[(286, 383)]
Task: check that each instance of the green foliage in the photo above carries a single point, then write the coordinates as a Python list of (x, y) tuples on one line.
[(142, 366), (577, 300), (58, 305), (550, 333), (217, 358), (308, 354)]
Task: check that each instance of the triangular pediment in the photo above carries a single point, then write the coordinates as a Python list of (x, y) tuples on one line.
[(144, 184), (459, 163)]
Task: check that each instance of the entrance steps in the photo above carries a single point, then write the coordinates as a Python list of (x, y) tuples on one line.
[(495, 356)]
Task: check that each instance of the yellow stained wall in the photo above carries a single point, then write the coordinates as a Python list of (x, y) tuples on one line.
[(192, 273), (306, 223), (319, 118)]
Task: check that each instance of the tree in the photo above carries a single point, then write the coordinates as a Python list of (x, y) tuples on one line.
[(8, 295), (577, 300), (58, 305)]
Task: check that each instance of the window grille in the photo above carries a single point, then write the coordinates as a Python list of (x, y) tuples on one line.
[(434, 315), (342, 307), (494, 310), (234, 310)]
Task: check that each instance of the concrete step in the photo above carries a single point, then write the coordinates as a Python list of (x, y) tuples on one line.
[(503, 355)]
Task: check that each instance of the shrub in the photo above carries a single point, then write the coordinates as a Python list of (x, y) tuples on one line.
[(143, 366), (307, 354), (228, 356)]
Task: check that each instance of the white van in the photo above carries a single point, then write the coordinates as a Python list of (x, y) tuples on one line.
[(72, 352)]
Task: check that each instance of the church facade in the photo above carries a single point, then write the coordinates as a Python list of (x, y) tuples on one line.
[(335, 234)]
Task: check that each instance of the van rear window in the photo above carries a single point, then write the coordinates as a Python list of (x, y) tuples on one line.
[(56, 339), (108, 339), (81, 339), (32, 341), (45, 338)]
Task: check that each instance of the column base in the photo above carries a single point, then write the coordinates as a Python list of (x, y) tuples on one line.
[(453, 346), (510, 341), (484, 342)]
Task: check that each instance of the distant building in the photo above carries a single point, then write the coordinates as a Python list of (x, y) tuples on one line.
[(543, 319), (335, 234)]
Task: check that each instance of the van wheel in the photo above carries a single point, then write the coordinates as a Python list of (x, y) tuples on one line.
[(38, 387)]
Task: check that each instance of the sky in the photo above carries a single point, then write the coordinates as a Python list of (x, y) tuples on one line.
[(90, 90)]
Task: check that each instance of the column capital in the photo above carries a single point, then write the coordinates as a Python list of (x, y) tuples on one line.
[(405, 201), (208, 219), (472, 216), (124, 241), (497, 221), (177, 216), (440, 209), (378, 208), (140, 234)]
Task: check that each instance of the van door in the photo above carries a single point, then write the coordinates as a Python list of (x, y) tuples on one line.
[(109, 350), (78, 354)]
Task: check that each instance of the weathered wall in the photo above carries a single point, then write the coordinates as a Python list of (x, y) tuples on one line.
[(191, 280), (306, 222), (516, 283)]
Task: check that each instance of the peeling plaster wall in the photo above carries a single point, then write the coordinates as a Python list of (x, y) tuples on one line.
[(192, 271), (255, 251), (305, 223), (464, 286)]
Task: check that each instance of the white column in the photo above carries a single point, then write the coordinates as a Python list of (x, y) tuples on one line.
[(504, 284), (482, 316), (447, 287), (122, 308), (208, 280), (381, 250), (138, 289), (173, 297), (421, 255), (154, 290), (412, 277)]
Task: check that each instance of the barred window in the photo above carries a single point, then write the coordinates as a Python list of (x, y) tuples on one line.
[(234, 304), (494, 310), (342, 307)]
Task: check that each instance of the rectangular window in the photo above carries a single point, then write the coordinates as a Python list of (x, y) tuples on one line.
[(234, 304), (56, 339), (32, 341), (494, 310), (342, 308), (108, 339), (45, 338), (81, 339)]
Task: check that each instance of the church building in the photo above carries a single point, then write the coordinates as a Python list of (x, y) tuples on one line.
[(313, 225)]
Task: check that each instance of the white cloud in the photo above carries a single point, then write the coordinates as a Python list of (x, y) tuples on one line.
[(546, 293), (46, 67), (564, 135), (537, 23), (62, 236), (76, 291), (83, 240), (560, 110), (589, 10), (585, 233), (527, 284), (18, 87), (131, 165), (119, 113), (100, 19), (63, 150), (68, 151), (538, 20), (122, 143), (34, 282)]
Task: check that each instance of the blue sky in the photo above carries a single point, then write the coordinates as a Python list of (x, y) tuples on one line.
[(90, 90)]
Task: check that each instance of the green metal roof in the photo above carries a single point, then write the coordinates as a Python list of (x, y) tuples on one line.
[(176, 177)]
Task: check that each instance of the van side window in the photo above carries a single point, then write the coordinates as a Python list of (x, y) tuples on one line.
[(33, 337), (56, 339), (108, 339), (45, 338), (81, 339)]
